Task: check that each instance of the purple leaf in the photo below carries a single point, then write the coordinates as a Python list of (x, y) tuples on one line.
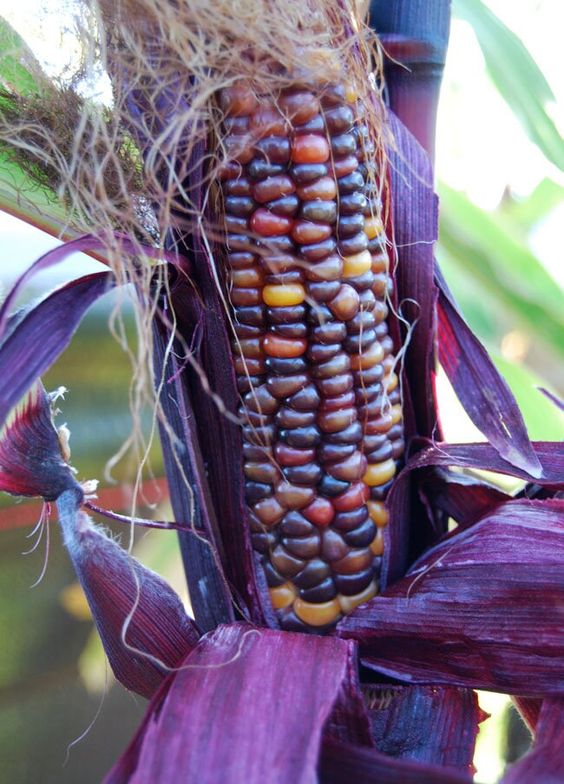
[(481, 389), (35, 339), (545, 763), (415, 219), (461, 497), (529, 708), (558, 402), (31, 458), (431, 724), (141, 620), (482, 609), (247, 705), (343, 763)]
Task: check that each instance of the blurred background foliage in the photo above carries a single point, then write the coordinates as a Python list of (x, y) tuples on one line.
[(500, 162)]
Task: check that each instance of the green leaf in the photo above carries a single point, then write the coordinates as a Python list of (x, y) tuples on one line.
[(543, 419), (526, 213), (20, 72), (21, 197), (516, 75), (486, 247)]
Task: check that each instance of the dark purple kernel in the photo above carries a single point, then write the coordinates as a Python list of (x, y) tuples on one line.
[(241, 206), (320, 315), (305, 547), (323, 592), (330, 332), (319, 352), (350, 224), (372, 443), (344, 144), (254, 491), (275, 245), (333, 95), (367, 301), (352, 203), (352, 245), (298, 330), (276, 149), (247, 331), (318, 250), (350, 183), (379, 493), (350, 435), (307, 172), (373, 409), (330, 453), (348, 521), (301, 437), (256, 454), (273, 578), (330, 387), (339, 120), (288, 417), (337, 365), (395, 432), (381, 330), (245, 383), (235, 224), (308, 474), (315, 125), (289, 315), (285, 562), (259, 435), (241, 260), (377, 245), (329, 486), (259, 169), (240, 186), (294, 524), (333, 548), (240, 242), (362, 282), (369, 376), (361, 536), (354, 344), (351, 584), (364, 395), (379, 455), (286, 205), (284, 386), (361, 322), (253, 417), (317, 210), (307, 399), (398, 448), (281, 278), (323, 290), (312, 574), (286, 366), (263, 542)]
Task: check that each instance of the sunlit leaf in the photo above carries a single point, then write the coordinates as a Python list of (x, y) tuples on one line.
[(516, 75), (483, 247), (19, 69)]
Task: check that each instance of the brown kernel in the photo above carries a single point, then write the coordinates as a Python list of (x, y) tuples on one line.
[(325, 189), (310, 148), (269, 511), (276, 346), (346, 303), (273, 188), (305, 232), (300, 107), (267, 224)]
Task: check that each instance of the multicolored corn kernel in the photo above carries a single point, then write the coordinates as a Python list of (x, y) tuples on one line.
[(307, 277)]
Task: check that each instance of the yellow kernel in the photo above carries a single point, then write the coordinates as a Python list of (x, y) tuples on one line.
[(282, 596), (356, 265), (379, 473), (317, 614), (368, 358), (284, 296), (390, 382), (378, 513), (377, 545), (348, 603), (351, 93), (396, 414), (373, 227)]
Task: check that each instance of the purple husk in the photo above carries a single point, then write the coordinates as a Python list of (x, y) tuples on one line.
[(545, 762)]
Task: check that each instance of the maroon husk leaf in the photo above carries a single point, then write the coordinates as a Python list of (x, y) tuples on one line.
[(31, 461), (343, 763), (481, 389), (247, 705), (33, 340), (431, 724), (481, 609), (139, 617), (461, 497), (545, 762), (529, 708)]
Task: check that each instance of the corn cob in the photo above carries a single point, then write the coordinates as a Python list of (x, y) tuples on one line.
[(307, 277)]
